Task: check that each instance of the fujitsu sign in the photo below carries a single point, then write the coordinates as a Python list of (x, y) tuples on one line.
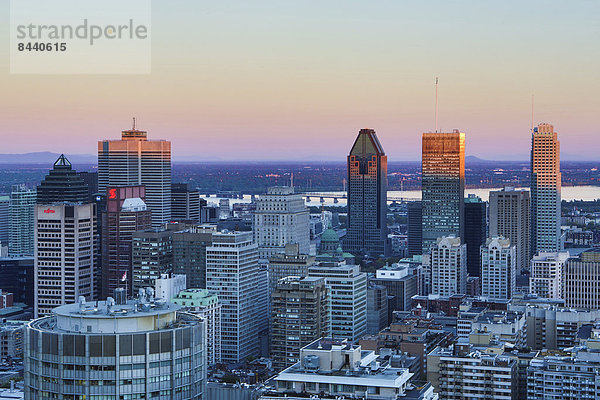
[(49, 211)]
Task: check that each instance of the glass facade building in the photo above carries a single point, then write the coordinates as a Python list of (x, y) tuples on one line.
[(367, 196), (443, 186)]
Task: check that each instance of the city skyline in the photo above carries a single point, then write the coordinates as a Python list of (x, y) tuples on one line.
[(222, 85)]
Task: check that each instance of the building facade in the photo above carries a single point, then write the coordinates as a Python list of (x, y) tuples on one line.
[(281, 218), (545, 190), (415, 228), (475, 232), (126, 213), (62, 184), (189, 253), (449, 267), (300, 315), (21, 221), (377, 308), (110, 351), (205, 305), (510, 217), (367, 196), (134, 161), (348, 293), (498, 268), (151, 256), (443, 186), (547, 273), (582, 280), (185, 203), (289, 263), (65, 255), (232, 273)]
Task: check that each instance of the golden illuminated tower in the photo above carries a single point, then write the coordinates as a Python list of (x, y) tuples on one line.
[(133, 161), (545, 189), (443, 186)]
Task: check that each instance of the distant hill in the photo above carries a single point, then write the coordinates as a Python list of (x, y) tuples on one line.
[(46, 157)]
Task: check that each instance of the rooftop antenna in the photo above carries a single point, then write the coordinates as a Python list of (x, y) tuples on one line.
[(134, 123), (292, 180), (532, 114), (436, 104)]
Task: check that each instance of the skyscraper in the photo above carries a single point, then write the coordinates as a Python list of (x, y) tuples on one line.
[(367, 196), (510, 217), (582, 280), (232, 273), (348, 293), (189, 252), (300, 315), (21, 221), (133, 161), (185, 203), (126, 213), (62, 184), (281, 218), (449, 267), (151, 256), (498, 268), (545, 190), (443, 186), (415, 228), (4, 220), (475, 232), (65, 252)]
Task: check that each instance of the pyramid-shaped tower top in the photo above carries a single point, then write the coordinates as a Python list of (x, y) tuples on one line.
[(367, 144), (62, 161)]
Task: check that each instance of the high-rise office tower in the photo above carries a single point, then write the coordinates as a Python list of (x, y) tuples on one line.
[(415, 228), (377, 308), (582, 280), (367, 196), (151, 256), (140, 349), (545, 190), (498, 268), (91, 180), (189, 253), (21, 221), (510, 217), (65, 252), (185, 203), (475, 232), (281, 218), (443, 186), (232, 273), (300, 315), (547, 274), (289, 263), (4, 220), (126, 213), (348, 293), (401, 282), (133, 161), (449, 267), (62, 184)]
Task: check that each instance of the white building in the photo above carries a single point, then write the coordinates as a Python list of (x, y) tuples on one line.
[(206, 305), (65, 254), (449, 267), (510, 216), (335, 369), (169, 286), (547, 272), (135, 160), (498, 268), (348, 292), (281, 218), (232, 273)]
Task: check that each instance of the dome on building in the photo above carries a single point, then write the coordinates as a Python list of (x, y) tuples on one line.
[(330, 236)]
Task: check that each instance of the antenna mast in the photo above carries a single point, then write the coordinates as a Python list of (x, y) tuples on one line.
[(532, 114), (134, 123), (292, 180), (436, 104)]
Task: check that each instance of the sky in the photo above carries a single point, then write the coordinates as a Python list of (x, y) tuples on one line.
[(297, 80)]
